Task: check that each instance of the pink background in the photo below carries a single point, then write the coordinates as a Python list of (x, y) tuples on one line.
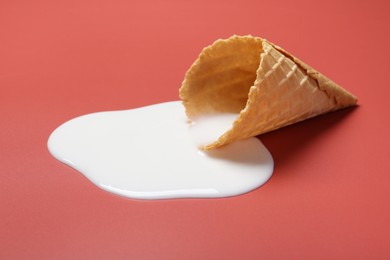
[(329, 196)]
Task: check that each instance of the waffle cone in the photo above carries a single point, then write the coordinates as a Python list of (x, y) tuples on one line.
[(267, 86)]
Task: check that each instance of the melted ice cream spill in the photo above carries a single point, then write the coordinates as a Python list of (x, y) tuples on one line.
[(149, 153), (206, 129)]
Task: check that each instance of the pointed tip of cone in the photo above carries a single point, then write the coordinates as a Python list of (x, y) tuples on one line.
[(342, 97)]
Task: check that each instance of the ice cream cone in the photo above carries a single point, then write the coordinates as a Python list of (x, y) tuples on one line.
[(266, 85)]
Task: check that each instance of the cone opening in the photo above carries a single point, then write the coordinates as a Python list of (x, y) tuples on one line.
[(220, 79)]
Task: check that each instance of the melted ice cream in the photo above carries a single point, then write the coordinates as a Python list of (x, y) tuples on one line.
[(149, 153)]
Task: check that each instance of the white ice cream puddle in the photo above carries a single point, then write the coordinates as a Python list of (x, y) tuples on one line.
[(206, 129), (149, 153)]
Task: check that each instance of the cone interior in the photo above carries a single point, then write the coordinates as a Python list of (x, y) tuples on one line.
[(223, 74)]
